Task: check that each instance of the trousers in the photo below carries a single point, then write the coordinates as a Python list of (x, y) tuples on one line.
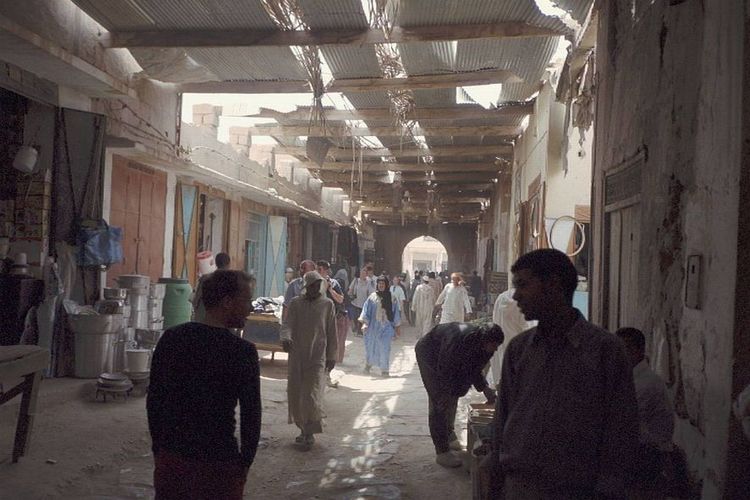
[(177, 477)]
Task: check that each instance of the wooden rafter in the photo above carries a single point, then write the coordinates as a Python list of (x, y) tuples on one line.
[(372, 167), (258, 38), (437, 81), (385, 114), (506, 131), (346, 154), (459, 177)]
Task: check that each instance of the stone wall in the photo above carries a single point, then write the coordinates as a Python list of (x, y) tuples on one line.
[(460, 240), (669, 88)]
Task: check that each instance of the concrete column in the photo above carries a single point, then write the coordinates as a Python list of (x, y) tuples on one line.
[(240, 139), (207, 115)]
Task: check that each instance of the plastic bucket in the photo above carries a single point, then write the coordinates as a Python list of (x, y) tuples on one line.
[(205, 263), (95, 336), (139, 360), (176, 307)]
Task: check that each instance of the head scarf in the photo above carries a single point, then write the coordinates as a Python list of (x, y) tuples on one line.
[(311, 279), (342, 277), (385, 297)]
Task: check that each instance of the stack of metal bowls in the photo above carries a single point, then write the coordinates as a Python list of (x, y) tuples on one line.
[(115, 302), (156, 293), (138, 287)]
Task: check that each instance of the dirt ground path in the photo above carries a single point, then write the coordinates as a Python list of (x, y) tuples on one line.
[(376, 442)]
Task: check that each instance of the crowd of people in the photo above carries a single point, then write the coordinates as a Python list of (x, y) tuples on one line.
[(578, 412)]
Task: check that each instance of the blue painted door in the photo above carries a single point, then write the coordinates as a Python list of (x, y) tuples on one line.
[(275, 256)]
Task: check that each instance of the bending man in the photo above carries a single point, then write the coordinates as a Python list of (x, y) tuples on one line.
[(451, 358)]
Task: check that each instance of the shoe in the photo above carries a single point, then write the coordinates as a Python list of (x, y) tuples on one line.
[(305, 443), (385, 374), (456, 445), (367, 369), (331, 383), (448, 460)]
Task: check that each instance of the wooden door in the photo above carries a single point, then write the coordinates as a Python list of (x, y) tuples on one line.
[(622, 240), (138, 197)]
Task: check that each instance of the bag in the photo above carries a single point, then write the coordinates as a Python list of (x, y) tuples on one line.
[(99, 244)]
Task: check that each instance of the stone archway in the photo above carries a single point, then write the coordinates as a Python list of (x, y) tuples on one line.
[(424, 253), (459, 240)]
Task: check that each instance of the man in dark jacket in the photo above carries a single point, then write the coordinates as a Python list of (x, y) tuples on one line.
[(451, 358)]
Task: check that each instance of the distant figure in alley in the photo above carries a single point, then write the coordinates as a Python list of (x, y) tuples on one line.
[(454, 300), (380, 317)]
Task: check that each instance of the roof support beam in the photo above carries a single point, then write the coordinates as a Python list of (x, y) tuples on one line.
[(452, 113), (277, 38), (460, 177), (507, 131), (438, 81), (346, 154), (381, 167)]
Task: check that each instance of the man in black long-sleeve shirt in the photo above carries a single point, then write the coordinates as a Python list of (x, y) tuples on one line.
[(451, 357), (198, 374)]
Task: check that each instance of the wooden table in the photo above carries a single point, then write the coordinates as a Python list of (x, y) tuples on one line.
[(26, 362), (264, 330)]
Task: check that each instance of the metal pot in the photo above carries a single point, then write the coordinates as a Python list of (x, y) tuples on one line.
[(115, 293), (157, 291)]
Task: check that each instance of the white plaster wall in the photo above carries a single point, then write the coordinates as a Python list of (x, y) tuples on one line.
[(539, 153)]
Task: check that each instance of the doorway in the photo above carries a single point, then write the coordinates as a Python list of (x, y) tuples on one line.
[(424, 253)]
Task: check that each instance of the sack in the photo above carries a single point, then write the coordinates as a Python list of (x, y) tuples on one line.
[(99, 244)]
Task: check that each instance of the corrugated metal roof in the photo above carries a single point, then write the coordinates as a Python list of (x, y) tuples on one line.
[(579, 9), (424, 58), (434, 98), (350, 61), (211, 14), (332, 14), (518, 91), (434, 12), (250, 63), (362, 100), (526, 57)]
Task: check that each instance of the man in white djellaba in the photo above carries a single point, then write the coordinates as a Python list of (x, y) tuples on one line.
[(423, 304), (454, 300)]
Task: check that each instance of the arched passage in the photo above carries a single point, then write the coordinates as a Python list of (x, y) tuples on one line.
[(424, 253)]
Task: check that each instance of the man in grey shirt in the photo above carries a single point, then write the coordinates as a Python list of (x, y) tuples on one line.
[(566, 423)]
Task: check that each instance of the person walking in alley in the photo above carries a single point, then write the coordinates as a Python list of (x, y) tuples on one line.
[(222, 261), (454, 300), (359, 290), (380, 317), (296, 285), (451, 358), (566, 422), (423, 304), (397, 292), (199, 372), (506, 313), (335, 292), (655, 414), (309, 336)]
